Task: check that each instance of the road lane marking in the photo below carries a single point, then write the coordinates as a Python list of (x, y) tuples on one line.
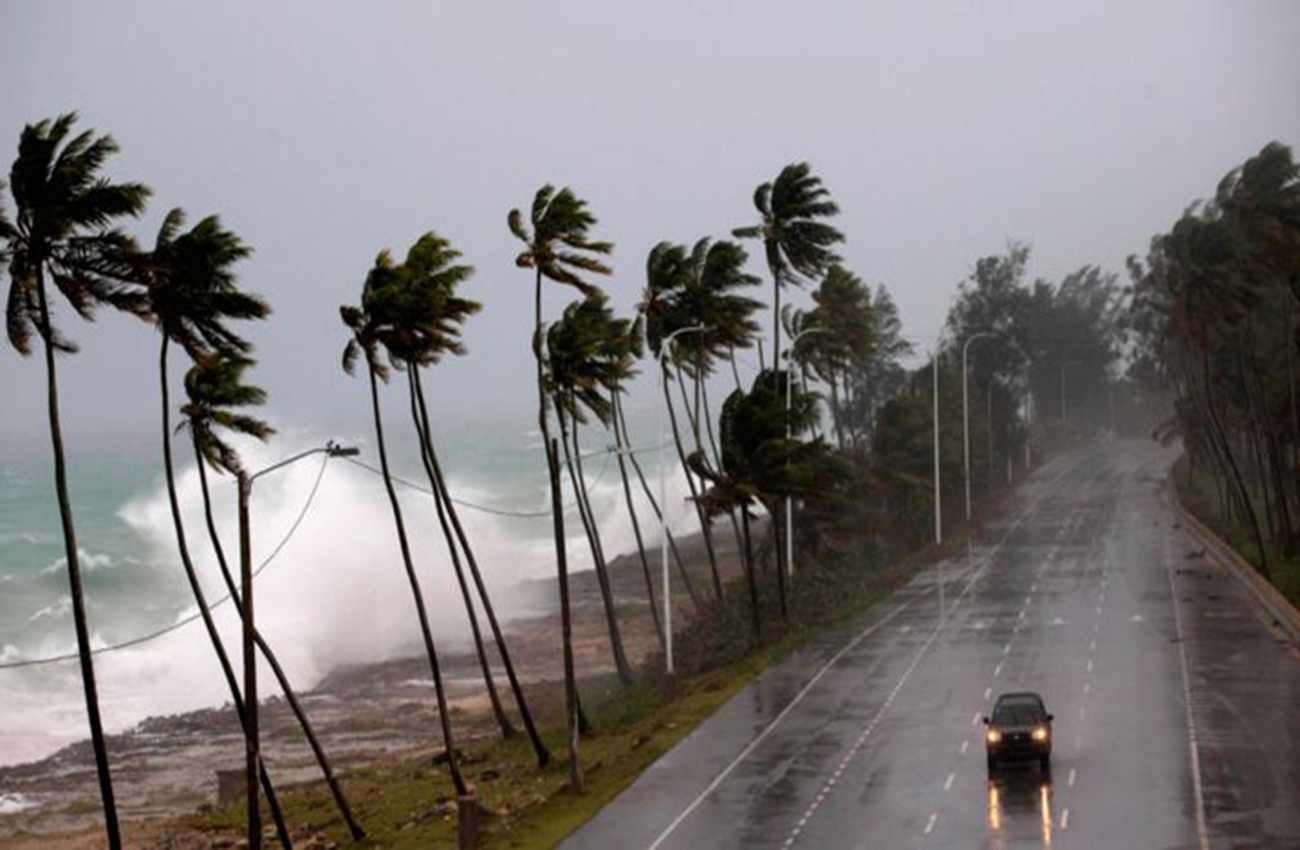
[(975, 721), (1078, 740), (1192, 744), (1089, 665), (803, 692), (1083, 712), (1087, 686), (947, 783), (1065, 819), (929, 826), (1006, 650), (1092, 647), (1098, 610), (988, 692), (965, 745), (997, 671), (1070, 781)]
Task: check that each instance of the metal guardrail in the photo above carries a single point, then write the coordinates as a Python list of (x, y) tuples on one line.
[(1285, 615)]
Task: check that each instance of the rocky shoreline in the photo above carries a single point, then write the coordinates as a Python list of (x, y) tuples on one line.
[(363, 714)]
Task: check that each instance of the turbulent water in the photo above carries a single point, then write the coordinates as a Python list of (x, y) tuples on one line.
[(335, 593)]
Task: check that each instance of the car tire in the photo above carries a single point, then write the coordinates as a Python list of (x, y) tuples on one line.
[(993, 762), (1045, 763)]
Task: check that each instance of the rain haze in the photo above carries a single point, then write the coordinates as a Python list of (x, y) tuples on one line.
[(1017, 474), (324, 132)]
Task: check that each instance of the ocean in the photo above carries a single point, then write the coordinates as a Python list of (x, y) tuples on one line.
[(334, 594)]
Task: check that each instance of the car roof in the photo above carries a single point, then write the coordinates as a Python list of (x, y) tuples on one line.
[(1020, 697)]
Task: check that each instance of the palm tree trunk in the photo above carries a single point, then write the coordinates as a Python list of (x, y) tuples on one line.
[(597, 553), (778, 532), (620, 450), (750, 578), (572, 707), (693, 420), (422, 436), (453, 761), (70, 551), (539, 748), (690, 483), (201, 601), (654, 505), (318, 751)]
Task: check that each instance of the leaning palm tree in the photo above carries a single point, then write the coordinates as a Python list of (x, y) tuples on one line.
[(558, 247), (63, 233), (216, 393), (580, 374), (369, 324), (190, 295), (428, 328), (796, 240)]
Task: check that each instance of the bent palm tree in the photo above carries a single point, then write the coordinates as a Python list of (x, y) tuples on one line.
[(580, 374), (427, 328), (796, 240), (368, 324), (558, 247), (190, 294), (62, 231), (216, 392)]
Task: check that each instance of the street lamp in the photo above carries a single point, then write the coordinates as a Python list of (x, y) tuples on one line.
[(664, 352), (965, 411), (244, 481), (789, 503)]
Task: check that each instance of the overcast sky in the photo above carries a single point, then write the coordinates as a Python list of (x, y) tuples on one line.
[(323, 132)]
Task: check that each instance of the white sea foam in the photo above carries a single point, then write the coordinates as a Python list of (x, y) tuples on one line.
[(337, 594)]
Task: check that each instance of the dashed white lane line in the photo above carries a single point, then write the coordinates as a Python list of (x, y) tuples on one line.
[(975, 721), (1098, 610), (1078, 740), (929, 825), (965, 745), (988, 692), (1083, 712), (997, 671), (1070, 781), (1028, 600), (947, 783), (1087, 687), (1006, 650), (1092, 647), (1065, 819), (1089, 665), (1192, 743)]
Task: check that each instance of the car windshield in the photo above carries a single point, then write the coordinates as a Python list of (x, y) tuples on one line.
[(1017, 714)]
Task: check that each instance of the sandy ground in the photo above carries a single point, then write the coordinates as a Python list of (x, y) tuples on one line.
[(363, 714)]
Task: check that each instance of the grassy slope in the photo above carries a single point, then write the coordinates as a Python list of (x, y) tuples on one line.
[(1198, 496), (411, 803)]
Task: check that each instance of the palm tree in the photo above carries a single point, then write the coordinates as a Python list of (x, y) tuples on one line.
[(428, 326), (369, 324), (581, 372), (63, 230), (558, 247), (190, 294), (216, 393), (796, 240)]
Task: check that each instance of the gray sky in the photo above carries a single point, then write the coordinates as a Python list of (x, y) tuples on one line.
[(322, 132)]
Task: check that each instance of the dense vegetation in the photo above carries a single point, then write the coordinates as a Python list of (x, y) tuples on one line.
[(834, 429), (1214, 322)]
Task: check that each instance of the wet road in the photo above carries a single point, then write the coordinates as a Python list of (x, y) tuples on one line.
[(1177, 703)]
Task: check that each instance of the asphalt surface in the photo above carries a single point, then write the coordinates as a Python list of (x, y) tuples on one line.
[(1176, 702)]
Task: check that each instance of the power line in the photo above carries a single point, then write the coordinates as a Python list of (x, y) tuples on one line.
[(34, 662)]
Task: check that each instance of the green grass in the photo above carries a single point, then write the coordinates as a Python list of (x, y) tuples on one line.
[(411, 803), (1198, 496)]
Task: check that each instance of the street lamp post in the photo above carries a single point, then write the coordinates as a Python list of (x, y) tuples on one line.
[(965, 411), (664, 352), (938, 500), (253, 757), (789, 399)]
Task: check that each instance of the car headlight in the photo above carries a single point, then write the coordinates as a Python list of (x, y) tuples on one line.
[(1040, 734), (993, 736)]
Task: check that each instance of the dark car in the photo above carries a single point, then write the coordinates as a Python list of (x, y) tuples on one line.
[(1020, 727)]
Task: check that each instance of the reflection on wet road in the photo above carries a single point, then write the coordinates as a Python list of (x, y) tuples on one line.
[(1177, 706)]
